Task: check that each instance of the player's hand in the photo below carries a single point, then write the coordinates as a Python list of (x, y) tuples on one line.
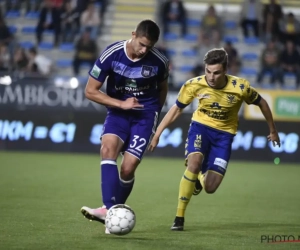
[(131, 103), (274, 137), (153, 143)]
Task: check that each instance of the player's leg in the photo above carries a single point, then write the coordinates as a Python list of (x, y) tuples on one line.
[(126, 182), (200, 180), (196, 147), (218, 158), (186, 189), (198, 186), (113, 138), (211, 181), (110, 148), (142, 128)]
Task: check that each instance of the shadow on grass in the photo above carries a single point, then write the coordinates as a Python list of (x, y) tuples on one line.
[(129, 238), (133, 236)]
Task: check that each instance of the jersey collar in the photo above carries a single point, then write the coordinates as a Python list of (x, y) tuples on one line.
[(125, 51)]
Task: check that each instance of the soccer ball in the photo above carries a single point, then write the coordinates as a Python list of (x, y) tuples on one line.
[(120, 219)]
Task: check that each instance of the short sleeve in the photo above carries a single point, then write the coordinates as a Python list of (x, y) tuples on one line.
[(164, 74), (102, 67), (186, 95), (163, 62), (251, 95)]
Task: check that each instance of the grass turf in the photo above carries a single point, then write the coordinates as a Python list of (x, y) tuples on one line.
[(41, 195)]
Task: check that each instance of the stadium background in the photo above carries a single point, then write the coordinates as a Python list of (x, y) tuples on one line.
[(49, 144), (25, 96)]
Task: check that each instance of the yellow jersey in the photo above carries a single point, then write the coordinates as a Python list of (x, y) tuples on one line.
[(217, 108)]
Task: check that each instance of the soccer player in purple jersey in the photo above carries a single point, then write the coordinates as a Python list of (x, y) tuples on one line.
[(137, 84)]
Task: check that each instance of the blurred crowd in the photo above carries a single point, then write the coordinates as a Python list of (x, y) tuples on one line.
[(79, 22), (266, 22), (76, 22)]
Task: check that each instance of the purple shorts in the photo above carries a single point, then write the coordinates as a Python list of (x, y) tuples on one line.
[(134, 128)]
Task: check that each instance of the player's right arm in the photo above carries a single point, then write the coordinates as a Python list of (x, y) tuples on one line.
[(185, 97), (93, 93)]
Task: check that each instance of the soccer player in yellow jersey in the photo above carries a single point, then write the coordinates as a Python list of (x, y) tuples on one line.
[(213, 126)]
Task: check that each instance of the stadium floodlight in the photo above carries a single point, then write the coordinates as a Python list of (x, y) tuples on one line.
[(58, 82), (5, 80), (74, 83), (66, 82)]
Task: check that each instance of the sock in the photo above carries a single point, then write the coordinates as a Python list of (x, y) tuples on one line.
[(109, 182), (201, 178), (125, 188), (186, 188)]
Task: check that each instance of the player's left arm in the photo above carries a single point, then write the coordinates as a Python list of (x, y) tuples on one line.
[(185, 97), (266, 111), (163, 91), (251, 96), (163, 83)]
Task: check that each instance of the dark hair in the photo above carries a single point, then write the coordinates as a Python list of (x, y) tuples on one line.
[(216, 56), (148, 29)]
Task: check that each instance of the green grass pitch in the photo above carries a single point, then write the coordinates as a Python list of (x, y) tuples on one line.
[(41, 195)]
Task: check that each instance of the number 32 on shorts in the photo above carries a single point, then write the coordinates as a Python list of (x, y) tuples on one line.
[(138, 143)]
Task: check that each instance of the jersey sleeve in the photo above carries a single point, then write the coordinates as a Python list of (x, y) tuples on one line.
[(102, 66), (186, 95), (163, 72), (251, 96)]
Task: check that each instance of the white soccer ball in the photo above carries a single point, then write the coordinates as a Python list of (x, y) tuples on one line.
[(120, 219)]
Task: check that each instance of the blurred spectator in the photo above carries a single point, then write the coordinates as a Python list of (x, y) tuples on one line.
[(86, 51), (251, 15), (57, 3), (198, 70), (290, 62), (4, 58), (39, 63), (201, 51), (20, 60), (81, 5), (6, 37), (33, 5), (5, 34), (173, 11), (205, 46), (13, 5), (90, 19), (103, 6), (269, 62), (69, 23), (234, 62), (73, 3), (211, 26), (289, 29), (49, 20), (272, 14)]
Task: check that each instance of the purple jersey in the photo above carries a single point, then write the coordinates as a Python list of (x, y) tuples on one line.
[(132, 78)]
